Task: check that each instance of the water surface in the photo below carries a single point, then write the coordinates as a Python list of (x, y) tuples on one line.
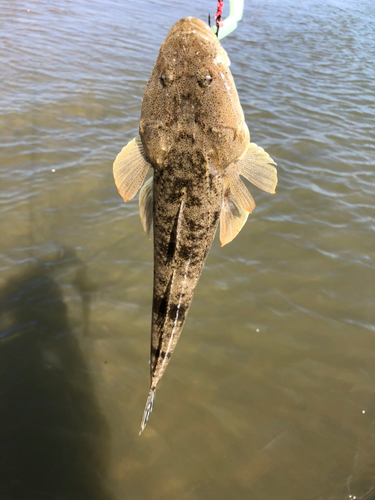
[(271, 391)]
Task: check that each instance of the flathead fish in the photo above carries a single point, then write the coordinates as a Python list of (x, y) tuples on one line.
[(193, 135)]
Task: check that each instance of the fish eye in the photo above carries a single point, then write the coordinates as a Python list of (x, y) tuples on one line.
[(204, 78), (166, 78)]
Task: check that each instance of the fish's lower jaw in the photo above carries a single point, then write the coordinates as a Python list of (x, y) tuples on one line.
[(148, 408)]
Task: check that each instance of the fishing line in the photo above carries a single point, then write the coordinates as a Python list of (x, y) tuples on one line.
[(219, 13), (224, 28)]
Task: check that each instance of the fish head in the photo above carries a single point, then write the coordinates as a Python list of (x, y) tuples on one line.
[(191, 100)]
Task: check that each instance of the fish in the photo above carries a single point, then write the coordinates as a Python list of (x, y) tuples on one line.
[(193, 136)]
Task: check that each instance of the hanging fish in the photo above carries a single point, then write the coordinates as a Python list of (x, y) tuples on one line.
[(194, 137)]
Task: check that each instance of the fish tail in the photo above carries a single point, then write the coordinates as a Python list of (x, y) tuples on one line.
[(148, 408)]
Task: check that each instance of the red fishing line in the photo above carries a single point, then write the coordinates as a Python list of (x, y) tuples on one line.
[(219, 13)]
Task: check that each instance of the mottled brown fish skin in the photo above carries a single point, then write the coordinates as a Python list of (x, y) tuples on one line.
[(210, 116), (194, 136), (186, 215), (190, 133)]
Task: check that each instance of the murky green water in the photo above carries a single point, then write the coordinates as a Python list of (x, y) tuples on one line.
[(271, 391)]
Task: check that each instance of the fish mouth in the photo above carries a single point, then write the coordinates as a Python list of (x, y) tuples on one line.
[(192, 26)]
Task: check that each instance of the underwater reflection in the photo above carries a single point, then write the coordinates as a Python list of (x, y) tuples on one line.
[(54, 438)]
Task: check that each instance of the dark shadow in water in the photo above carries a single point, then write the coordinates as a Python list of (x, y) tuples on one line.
[(54, 440)]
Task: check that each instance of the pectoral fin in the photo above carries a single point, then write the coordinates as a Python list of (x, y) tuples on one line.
[(232, 216), (257, 167), (130, 169), (146, 205)]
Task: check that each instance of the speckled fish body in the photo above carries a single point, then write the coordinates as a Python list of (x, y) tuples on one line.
[(193, 135)]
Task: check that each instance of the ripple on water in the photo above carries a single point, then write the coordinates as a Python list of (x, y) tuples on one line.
[(276, 362)]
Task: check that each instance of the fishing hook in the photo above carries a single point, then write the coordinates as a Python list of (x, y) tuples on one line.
[(230, 23)]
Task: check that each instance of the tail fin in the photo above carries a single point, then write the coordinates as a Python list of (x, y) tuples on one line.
[(148, 408)]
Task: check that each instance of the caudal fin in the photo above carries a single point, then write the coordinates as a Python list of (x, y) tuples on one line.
[(148, 408)]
